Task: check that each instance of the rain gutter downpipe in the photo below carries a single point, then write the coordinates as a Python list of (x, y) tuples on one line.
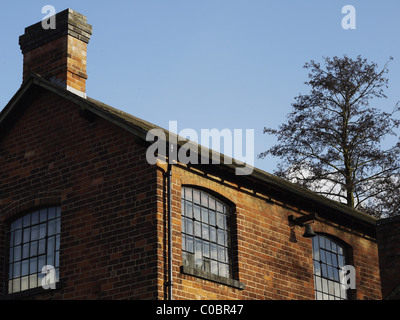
[(169, 199)]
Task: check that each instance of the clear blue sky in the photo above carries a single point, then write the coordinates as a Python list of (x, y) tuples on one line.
[(232, 64)]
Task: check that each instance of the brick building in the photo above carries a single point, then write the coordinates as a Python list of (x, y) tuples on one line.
[(78, 194)]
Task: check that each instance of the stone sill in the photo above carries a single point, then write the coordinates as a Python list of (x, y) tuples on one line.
[(213, 277)]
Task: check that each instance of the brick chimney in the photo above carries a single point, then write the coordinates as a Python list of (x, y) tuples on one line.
[(59, 54)]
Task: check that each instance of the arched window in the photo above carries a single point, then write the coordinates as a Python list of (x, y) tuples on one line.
[(328, 257), (206, 233), (34, 242)]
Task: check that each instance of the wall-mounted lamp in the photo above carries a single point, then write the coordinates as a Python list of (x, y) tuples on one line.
[(304, 221)]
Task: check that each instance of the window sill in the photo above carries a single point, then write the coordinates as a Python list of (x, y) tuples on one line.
[(30, 293), (212, 277)]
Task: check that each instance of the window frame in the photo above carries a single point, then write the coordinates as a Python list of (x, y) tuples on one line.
[(44, 219), (324, 266), (206, 239)]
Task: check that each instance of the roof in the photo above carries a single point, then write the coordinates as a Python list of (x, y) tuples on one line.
[(140, 128)]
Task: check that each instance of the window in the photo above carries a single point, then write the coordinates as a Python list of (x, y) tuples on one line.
[(206, 233), (328, 258), (34, 241)]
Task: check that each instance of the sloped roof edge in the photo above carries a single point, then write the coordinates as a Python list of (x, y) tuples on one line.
[(141, 127)]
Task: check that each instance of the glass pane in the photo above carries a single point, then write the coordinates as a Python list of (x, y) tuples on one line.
[(212, 218), (213, 234), (328, 258), (58, 242), (221, 254), (51, 213), (220, 220), (42, 230), (205, 230), (18, 223), (51, 242), (214, 267), (214, 251), (27, 235), (321, 242), (25, 251), (51, 227), (223, 270), (58, 212), (204, 199), (35, 232), (41, 263), (183, 243), (337, 289), (221, 237), (330, 272), (317, 268), (323, 256), (33, 265), (189, 244), (211, 203), (16, 285), (196, 196), (324, 271), (334, 260), (341, 261), (183, 224), (57, 262), (198, 256), (220, 206), (188, 211), (42, 246), (188, 193), (35, 217), (25, 267), (206, 265), (328, 244), (318, 283), (197, 229), (18, 237), (204, 215), (197, 214), (26, 220), (43, 215), (17, 269), (33, 281), (17, 253), (206, 249), (189, 226), (58, 225)]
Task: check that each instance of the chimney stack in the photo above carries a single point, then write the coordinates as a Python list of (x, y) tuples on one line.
[(59, 54)]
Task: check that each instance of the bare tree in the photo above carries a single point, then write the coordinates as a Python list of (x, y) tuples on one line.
[(332, 140)]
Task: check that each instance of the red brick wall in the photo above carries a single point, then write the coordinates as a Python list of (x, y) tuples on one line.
[(273, 262), (389, 254), (100, 178), (113, 240)]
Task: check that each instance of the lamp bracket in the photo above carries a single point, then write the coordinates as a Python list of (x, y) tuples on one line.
[(301, 220)]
